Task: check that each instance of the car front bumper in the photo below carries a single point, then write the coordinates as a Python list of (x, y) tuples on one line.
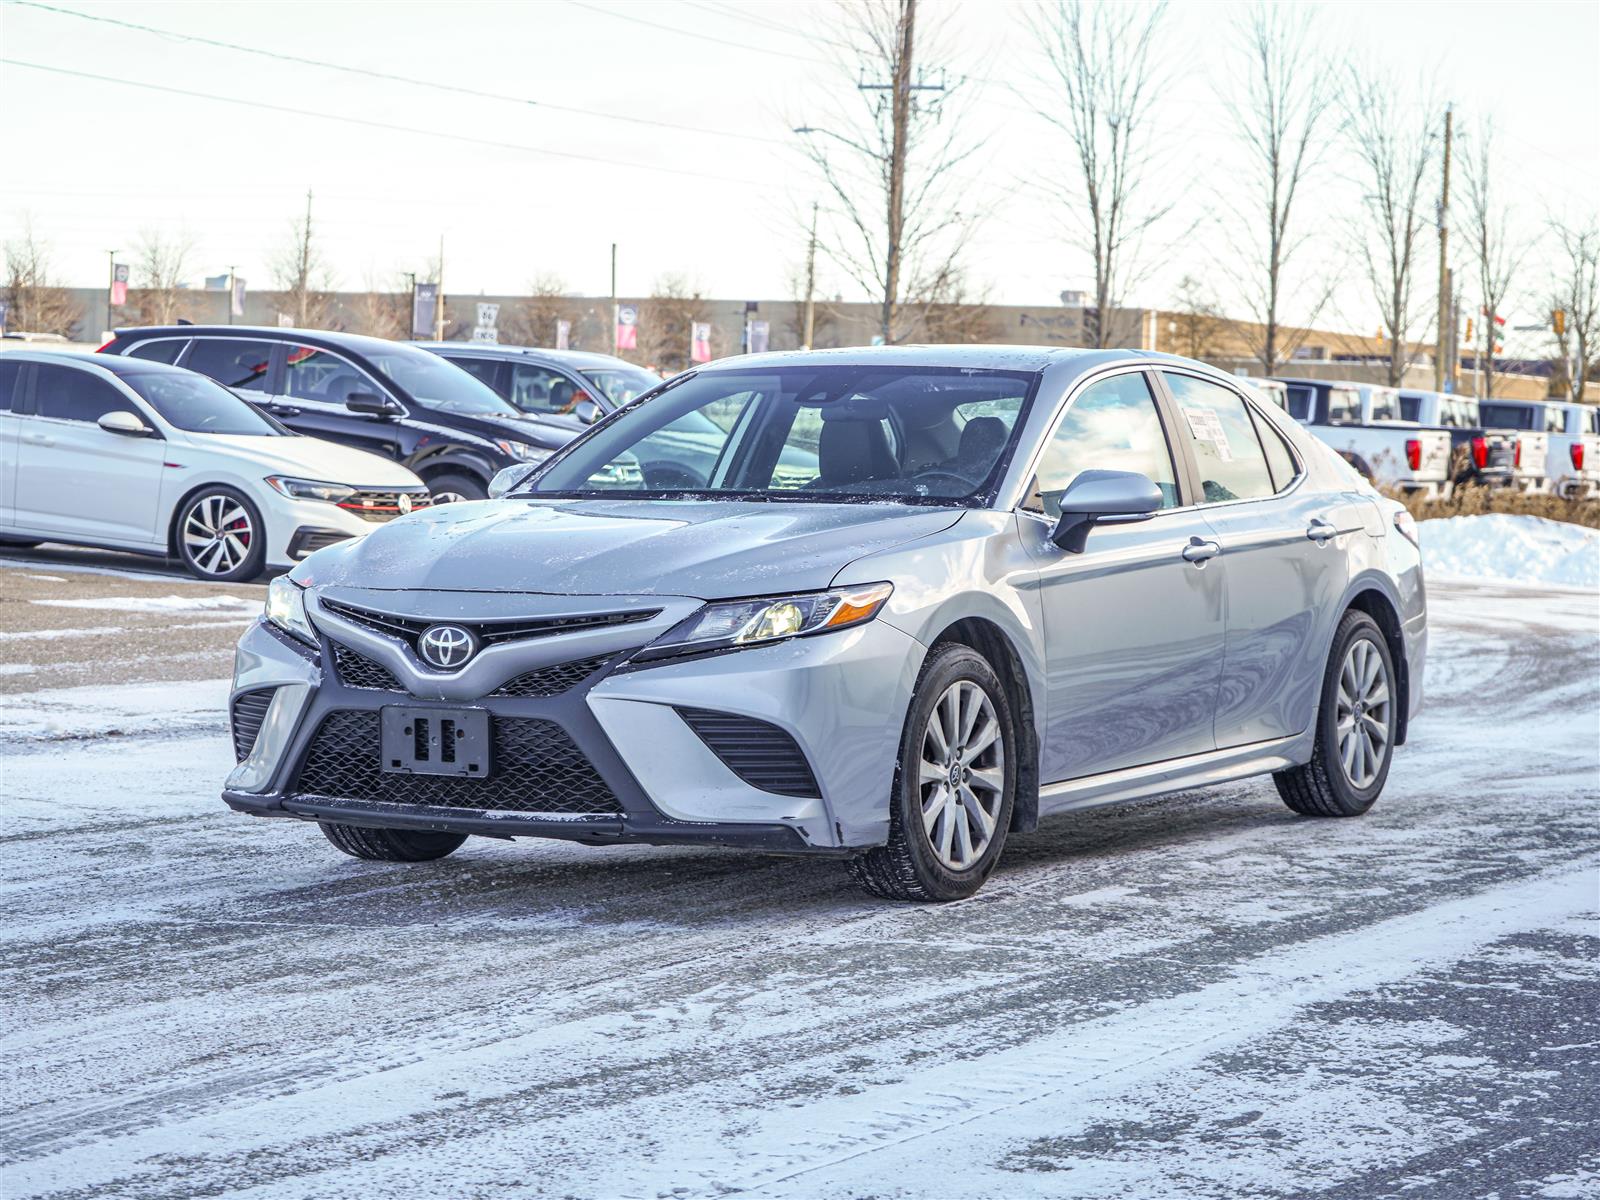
[(840, 697)]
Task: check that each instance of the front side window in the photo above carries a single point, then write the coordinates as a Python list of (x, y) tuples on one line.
[(198, 405), (1113, 425), (823, 433), (540, 390), (70, 395), (1384, 407), (232, 362), (1226, 450), (622, 384), (8, 383), (312, 374)]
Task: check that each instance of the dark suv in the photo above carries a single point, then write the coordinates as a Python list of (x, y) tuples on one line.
[(387, 397)]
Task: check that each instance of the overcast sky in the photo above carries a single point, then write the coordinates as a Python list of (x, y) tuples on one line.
[(93, 162)]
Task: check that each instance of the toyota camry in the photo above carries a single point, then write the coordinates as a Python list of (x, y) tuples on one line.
[(1011, 583)]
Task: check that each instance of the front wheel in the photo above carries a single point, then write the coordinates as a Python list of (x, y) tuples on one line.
[(220, 536), (1356, 724), (954, 787), (451, 489), (391, 845)]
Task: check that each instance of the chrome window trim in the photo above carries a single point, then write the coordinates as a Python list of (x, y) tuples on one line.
[(1259, 411)]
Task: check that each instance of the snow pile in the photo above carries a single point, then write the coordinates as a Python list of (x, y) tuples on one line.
[(162, 604), (1502, 546)]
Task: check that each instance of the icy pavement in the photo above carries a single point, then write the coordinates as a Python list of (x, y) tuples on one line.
[(1191, 997)]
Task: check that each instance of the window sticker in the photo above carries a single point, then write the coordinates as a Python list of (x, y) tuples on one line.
[(1206, 426)]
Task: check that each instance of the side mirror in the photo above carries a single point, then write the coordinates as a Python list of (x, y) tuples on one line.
[(1103, 497), (372, 404), (125, 423), (587, 411), (509, 479)]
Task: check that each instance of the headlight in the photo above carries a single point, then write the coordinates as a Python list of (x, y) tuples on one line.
[(770, 619), (310, 489), (522, 450), (286, 608)]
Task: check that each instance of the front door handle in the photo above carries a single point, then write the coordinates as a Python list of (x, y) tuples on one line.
[(1319, 531), (39, 439), (1199, 551)]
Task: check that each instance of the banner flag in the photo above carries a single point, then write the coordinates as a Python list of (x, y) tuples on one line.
[(700, 342), (627, 327), (238, 296), (563, 334), (424, 309), (119, 283), (757, 336), (216, 283)]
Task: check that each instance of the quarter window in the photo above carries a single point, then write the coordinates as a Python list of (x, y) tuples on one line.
[(70, 395), (232, 362), (1113, 425), (1280, 459), (160, 350), (1223, 437)]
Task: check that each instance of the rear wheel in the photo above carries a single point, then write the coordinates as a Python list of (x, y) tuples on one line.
[(220, 535), (1356, 725), (954, 788), (391, 845), (448, 489)]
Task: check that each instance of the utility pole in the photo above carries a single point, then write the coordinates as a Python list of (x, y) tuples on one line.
[(228, 304), (111, 287), (1440, 375), (438, 310), (811, 284), (613, 298)]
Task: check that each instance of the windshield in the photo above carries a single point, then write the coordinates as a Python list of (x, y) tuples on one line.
[(197, 404), (432, 381), (912, 434), (622, 384)]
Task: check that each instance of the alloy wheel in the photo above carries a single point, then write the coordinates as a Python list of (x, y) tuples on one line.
[(961, 775), (217, 534), (1362, 714)]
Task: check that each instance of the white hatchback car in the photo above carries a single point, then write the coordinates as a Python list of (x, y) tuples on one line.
[(136, 455)]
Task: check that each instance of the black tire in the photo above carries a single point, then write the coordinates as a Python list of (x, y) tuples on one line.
[(908, 866), (249, 564), (391, 845), (464, 487), (1321, 788)]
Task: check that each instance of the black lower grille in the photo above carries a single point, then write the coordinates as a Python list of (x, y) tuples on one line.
[(759, 753), (359, 671), (534, 767), (553, 680), (249, 710)]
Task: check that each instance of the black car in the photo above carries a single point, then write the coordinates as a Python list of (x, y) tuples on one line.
[(565, 389), (387, 397)]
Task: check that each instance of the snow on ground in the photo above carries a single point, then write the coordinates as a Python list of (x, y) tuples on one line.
[(1198, 996), (162, 604), (118, 710), (1517, 548)]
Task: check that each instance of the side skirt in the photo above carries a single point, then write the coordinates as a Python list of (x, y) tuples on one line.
[(1176, 774)]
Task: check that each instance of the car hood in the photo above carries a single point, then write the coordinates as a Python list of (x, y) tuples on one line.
[(518, 427), (307, 458), (699, 548)]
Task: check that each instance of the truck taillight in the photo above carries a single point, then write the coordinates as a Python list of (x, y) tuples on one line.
[(1480, 452), (1414, 453), (1577, 456)]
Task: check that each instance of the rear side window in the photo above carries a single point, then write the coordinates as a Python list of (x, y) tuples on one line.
[(233, 362), (1410, 406), (1384, 407), (8, 383), (1344, 407), (71, 395), (1280, 460), (1553, 420), (164, 350), (481, 369), (1223, 437)]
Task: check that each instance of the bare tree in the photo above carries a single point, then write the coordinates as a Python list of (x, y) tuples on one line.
[(824, 315), (1495, 249), (35, 302), (1282, 100), (1395, 150), (161, 264), (950, 313), (532, 321), (1201, 327), (381, 311), (901, 216), (665, 318), (302, 277), (1576, 296), (1103, 59)]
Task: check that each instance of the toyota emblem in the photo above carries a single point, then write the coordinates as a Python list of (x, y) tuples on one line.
[(446, 646)]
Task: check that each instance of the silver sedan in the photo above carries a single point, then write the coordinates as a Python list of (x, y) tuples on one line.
[(1016, 582)]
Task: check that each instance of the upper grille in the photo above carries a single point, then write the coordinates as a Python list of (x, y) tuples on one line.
[(359, 671), (384, 506), (761, 754), (487, 632), (534, 765), (553, 680), (249, 710)]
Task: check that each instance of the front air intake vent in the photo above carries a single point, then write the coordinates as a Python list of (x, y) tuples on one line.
[(759, 753), (248, 711)]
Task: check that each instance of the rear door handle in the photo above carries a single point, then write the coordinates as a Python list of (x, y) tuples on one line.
[(39, 439), (1199, 551), (1319, 531)]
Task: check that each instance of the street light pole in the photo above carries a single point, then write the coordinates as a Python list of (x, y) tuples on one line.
[(811, 283), (111, 287)]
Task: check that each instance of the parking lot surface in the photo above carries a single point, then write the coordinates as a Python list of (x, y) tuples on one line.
[(1201, 995)]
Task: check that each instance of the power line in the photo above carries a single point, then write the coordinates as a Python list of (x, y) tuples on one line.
[(370, 124), (631, 19), (411, 81)]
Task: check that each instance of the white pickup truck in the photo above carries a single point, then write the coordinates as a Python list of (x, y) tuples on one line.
[(1362, 423), (1571, 465)]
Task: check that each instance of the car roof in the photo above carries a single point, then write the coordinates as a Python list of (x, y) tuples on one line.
[(985, 357), (111, 363), (570, 358), (358, 342)]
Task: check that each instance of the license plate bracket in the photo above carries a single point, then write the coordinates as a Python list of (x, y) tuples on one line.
[(435, 741)]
